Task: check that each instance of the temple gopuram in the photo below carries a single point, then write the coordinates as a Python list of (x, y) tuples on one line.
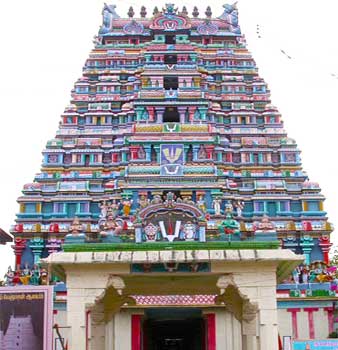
[(172, 210)]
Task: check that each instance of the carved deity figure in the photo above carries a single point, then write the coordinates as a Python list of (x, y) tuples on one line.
[(9, 276), (230, 15), (169, 9), (151, 232), (25, 274), (76, 227), (104, 209), (265, 225), (16, 277), (189, 231), (157, 199), (217, 202), (143, 201), (110, 227), (43, 277), (188, 200), (229, 226), (114, 208), (201, 203), (35, 276), (295, 275), (170, 199), (239, 205), (127, 203), (229, 208), (108, 14)]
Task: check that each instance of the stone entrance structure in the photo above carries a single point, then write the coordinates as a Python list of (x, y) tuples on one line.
[(108, 300)]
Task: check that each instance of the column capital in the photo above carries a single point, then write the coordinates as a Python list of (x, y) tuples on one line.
[(19, 245), (53, 245)]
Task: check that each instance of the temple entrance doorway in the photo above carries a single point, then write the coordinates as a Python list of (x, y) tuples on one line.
[(173, 329)]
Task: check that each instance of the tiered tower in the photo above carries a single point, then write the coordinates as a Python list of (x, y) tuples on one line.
[(171, 137), (171, 103)]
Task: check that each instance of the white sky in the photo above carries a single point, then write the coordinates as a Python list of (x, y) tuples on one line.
[(45, 43)]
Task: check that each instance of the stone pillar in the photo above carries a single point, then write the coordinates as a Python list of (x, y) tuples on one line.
[(151, 112), (124, 157), (203, 111), (268, 330), (97, 329), (134, 152), (76, 319), (195, 149), (294, 321), (181, 111), (330, 318), (37, 245), (325, 245), (202, 229), (109, 335), (259, 315), (306, 242), (249, 335), (138, 233), (192, 111), (310, 311), (210, 150), (290, 242), (77, 299), (18, 247), (159, 114), (147, 149), (158, 155), (122, 330)]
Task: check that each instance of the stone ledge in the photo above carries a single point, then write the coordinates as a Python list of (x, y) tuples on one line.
[(153, 257)]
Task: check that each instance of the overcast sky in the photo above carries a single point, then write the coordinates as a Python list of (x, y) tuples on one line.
[(44, 45)]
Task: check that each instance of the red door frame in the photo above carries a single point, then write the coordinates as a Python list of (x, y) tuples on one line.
[(210, 320)]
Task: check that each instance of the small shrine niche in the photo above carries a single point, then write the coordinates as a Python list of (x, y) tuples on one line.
[(171, 115)]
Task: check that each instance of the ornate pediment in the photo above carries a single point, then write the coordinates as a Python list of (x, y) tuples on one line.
[(169, 20), (171, 220)]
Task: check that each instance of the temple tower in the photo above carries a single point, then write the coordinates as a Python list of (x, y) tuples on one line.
[(171, 164)]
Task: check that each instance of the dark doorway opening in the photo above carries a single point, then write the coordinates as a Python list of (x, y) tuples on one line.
[(170, 39), (171, 115), (170, 83), (176, 330), (87, 160), (170, 59)]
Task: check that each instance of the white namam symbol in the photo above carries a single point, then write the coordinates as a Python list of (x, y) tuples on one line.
[(171, 129), (170, 25), (172, 172)]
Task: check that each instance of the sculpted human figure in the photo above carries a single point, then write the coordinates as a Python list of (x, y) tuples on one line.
[(25, 274), (35, 276), (217, 205), (76, 227), (110, 227), (201, 204), (127, 206), (143, 201), (189, 231), (9, 276)]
